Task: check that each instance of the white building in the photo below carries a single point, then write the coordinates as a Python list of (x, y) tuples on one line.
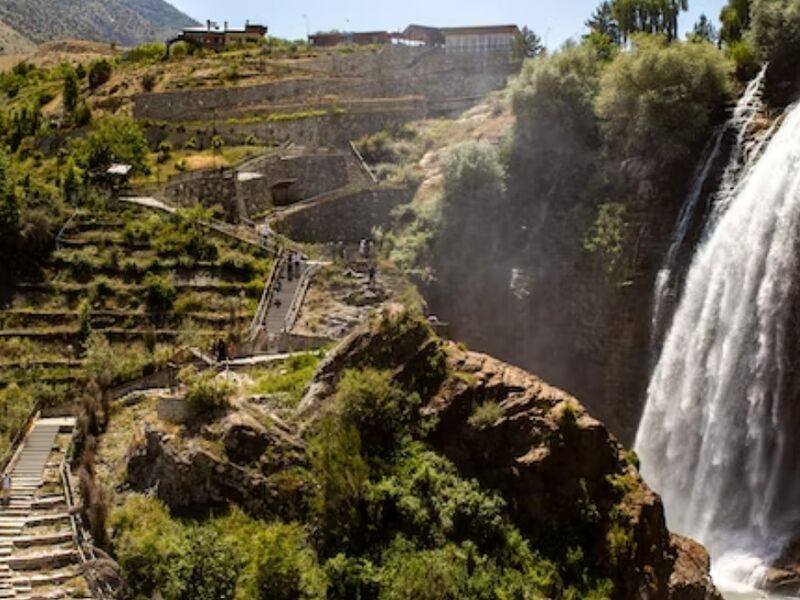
[(496, 38)]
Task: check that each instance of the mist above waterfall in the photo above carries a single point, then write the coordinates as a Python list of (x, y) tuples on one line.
[(716, 439)]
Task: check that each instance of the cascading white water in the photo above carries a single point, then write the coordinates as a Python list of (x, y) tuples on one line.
[(738, 125), (717, 439)]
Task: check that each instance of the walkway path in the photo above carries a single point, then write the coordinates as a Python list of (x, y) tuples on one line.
[(38, 556), (278, 310)]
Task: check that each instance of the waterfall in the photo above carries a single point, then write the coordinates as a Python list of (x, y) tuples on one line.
[(717, 438), (737, 125)]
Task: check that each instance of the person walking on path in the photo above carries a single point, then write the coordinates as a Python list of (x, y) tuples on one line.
[(289, 266), (6, 491), (372, 273)]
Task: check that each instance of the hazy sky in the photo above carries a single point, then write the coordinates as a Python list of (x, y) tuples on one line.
[(554, 20)]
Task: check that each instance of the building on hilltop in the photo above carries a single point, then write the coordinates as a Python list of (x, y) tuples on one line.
[(420, 35), (362, 38), (495, 38), (215, 38), (487, 38)]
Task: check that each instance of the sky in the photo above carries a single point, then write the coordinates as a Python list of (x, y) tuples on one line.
[(554, 20)]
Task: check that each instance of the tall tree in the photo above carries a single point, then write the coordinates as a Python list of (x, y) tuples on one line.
[(603, 22), (71, 92), (735, 17), (648, 16), (531, 43), (704, 31)]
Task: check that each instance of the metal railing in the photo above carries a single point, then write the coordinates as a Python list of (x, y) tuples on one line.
[(86, 552), (266, 298), (300, 295)]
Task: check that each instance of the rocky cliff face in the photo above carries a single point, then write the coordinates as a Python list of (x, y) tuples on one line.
[(564, 477)]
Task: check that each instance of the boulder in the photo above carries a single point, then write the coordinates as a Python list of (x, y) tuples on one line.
[(244, 438)]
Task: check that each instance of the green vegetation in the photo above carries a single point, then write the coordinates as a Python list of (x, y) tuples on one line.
[(648, 16), (776, 35), (205, 391), (486, 415), (686, 88), (287, 382)]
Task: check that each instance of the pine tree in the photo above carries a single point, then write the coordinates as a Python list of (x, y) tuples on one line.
[(71, 92), (603, 22)]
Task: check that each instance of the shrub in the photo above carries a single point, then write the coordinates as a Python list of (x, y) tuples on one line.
[(151, 548), (188, 303), (745, 59), (283, 566), (289, 382), (377, 408), (556, 130), (660, 101), (179, 50), (217, 144), (776, 32), (16, 404), (214, 567), (342, 478), (100, 364), (71, 93), (159, 292), (205, 391), (113, 140), (164, 151), (191, 144), (148, 53), (82, 115), (99, 73), (607, 235), (149, 81), (486, 415)]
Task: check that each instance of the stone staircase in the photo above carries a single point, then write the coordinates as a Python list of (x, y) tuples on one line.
[(38, 557)]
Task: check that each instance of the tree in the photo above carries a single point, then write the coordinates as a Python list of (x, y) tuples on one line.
[(532, 43), (648, 16), (704, 31), (113, 140), (735, 18), (282, 566), (776, 31), (99, 73), (603, 22), (71, 92), (645, 93)]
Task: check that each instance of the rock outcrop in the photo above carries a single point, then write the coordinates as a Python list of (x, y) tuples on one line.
[(564, 477), (190, 474)]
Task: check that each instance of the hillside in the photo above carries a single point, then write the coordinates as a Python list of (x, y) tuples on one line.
[(123, 22), (12, 42)]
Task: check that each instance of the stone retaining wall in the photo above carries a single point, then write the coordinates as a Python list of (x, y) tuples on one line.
[(392, 73), (346, 218)]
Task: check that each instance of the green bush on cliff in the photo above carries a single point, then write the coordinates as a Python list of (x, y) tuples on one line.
[(377, 408), (283, 567), (553, 100), (776, 32), (205, 391), (660, 101)]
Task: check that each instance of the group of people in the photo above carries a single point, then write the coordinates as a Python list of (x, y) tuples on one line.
[(293, 265)]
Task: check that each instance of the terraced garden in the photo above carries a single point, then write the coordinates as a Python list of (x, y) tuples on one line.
[(147, 282)]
